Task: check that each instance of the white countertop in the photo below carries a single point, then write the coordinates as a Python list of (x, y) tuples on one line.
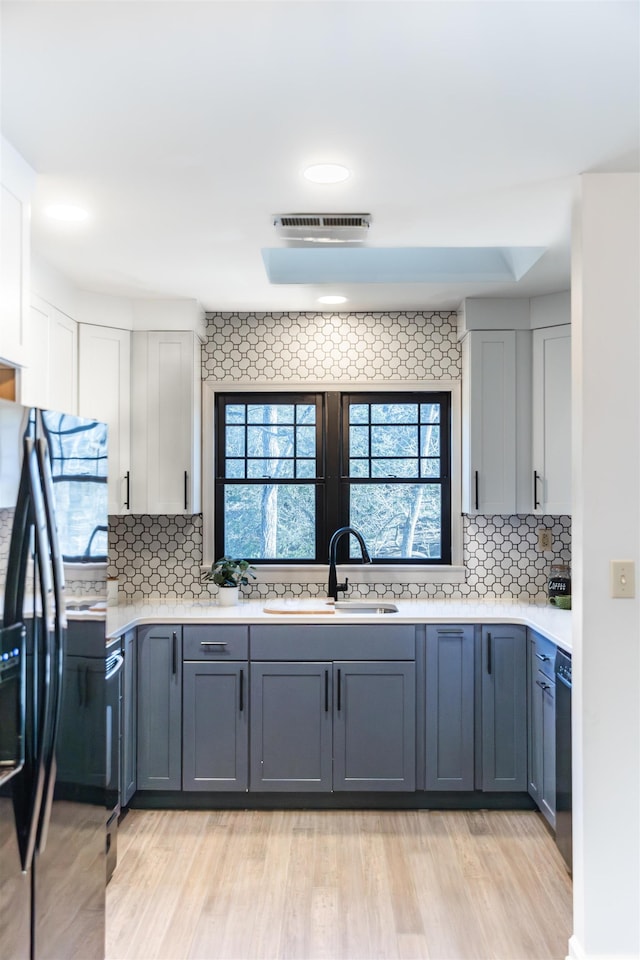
[(549, 621)]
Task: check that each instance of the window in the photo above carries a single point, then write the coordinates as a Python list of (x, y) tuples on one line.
[(78, 451), (291, 468)]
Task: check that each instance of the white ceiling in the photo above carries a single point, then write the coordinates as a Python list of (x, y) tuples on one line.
[(184, 126)]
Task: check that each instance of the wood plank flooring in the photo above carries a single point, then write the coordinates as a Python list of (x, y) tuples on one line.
[(345, 885)]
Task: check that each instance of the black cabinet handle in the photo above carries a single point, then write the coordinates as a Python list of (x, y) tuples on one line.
[(536, 477), (489, 654), (457, 631), (339, 693), (186, 489), (477, 490), (241, 690), (127, 496), (543, 657), (326, 691), (174, 653), (543, 686)]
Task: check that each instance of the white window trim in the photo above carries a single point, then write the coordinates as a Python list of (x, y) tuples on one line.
[(299, 573)]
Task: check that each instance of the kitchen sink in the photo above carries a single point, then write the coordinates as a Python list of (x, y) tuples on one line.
[(375, 607)]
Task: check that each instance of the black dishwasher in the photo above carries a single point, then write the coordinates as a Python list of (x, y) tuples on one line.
[(563, 756)]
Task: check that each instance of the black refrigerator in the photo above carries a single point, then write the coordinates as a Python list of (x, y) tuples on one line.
[(53, 796)]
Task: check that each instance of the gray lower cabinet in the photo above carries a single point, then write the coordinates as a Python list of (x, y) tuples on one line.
[(503, 672), (449, 708), (374, 725), (542, 726), (159, 718), (343, 725), (215, 729), (129, 718), (291, 726)]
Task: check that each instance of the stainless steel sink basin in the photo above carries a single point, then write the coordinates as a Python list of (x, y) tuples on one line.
[(375, 607)]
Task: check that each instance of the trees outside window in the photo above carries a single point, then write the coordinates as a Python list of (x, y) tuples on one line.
[(292, 468)]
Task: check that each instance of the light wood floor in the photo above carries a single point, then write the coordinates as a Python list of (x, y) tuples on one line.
[(241, 885)]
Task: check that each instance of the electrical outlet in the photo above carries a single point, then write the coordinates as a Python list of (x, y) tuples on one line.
[(545, 540), (623, 579)]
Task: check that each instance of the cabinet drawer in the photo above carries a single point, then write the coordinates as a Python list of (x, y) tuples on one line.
[(211, 642), (544, 654), (333, 642)]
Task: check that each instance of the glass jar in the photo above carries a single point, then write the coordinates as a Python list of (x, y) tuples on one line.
[(559, 586)]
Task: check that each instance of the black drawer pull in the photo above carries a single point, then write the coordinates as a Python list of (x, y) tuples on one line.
[(456, 633), (477, 492), (241, 691), (543, 686), (186, 489), (339, 693), (536, 477), (543, 657), (213, 643), (326, 691), (127, 499), (489, 654), (174, 653)]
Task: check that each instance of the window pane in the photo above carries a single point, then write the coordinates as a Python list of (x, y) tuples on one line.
[(430, 468), (269, 441), (235, 413), (397, 521), (234, 469), (234, 442), (278, 469), (429, 413), (270, 413), (394, 413), (358, 413), (394, 441), (305, 441), (394, 467), (305, 413), (430, 441), (306, 469), (358, 468), (270, 521), (359, 442), (81, 512)]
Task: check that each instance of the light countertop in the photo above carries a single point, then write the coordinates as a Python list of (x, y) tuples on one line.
[(549, 621)]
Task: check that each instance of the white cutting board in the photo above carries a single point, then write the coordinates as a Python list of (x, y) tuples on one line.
[(306, 605)]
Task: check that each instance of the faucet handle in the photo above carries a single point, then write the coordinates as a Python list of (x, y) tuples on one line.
[(343, 587)]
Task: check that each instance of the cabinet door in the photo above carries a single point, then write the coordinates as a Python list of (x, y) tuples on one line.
[(489, 422), (504, 708), (165, 451), (104, 388), (215, 728), (450, 724), (50, 379), (159, 708), (81, 741), (552, 420), (291, 725), (374, 734), (129, 734), (547, 801), (534, 733), (18, 181)]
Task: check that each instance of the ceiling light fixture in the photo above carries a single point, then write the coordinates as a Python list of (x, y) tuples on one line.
[(327, 173), (332, 299), (67, 212)]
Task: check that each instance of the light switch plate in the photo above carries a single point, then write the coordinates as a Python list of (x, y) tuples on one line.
[(623, 579)]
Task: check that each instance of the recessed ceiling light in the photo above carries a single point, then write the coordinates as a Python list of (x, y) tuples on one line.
[(67, 212), (326, 173), (332, 299)]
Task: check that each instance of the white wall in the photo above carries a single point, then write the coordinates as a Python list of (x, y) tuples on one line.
[(606, 526)]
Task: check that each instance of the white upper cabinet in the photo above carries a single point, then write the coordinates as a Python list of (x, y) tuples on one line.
[(17, 181), (489, 422), (50, 377), (166, 422), (551, 479), (104, 393)]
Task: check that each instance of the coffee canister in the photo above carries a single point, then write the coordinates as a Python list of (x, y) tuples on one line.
[(559, 586)]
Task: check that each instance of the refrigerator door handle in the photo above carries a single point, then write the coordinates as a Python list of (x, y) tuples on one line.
[(56, 639)]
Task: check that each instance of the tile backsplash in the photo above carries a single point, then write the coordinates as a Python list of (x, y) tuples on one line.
[(163, 556)]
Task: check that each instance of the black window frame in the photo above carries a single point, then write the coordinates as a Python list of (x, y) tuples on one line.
[(333, 481)]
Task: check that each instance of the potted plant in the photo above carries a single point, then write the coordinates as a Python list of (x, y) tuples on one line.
[(229, 575)]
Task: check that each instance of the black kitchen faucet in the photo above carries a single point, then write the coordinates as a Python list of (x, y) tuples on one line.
[(334, 587)]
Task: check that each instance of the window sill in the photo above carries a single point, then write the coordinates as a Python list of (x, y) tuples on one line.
[(359, 573)]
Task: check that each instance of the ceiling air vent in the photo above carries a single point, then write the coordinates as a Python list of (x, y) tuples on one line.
[(323, 227)]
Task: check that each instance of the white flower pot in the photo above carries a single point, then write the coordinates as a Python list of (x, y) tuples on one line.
[(228, 596)]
